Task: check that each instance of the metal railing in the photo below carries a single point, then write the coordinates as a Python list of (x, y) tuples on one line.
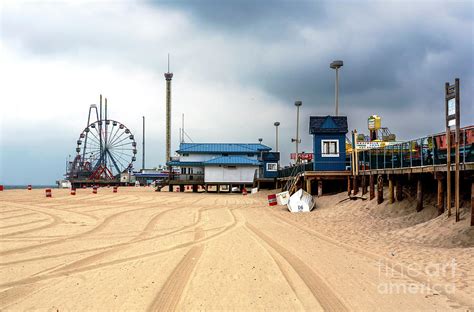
[(188, 177), (294, 170), (426, 151)]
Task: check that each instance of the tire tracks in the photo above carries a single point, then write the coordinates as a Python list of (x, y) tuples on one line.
[(318, 287), (171, 293)]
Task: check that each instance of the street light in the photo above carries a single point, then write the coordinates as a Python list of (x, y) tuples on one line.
[(297, 140), (276, 124), (336, 65)]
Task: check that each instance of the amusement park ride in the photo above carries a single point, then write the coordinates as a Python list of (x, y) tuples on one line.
[(106, 149)]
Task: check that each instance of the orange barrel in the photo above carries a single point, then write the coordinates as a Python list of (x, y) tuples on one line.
[(94, 190), (73, 191), (29, 187), (177, 189), (244, 191), (115, 189), (272, 200), (48, 193)]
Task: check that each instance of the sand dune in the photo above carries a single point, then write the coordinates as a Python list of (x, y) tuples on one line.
[(142, 250)]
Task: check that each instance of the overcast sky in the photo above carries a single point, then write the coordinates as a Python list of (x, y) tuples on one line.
[(238, 67)]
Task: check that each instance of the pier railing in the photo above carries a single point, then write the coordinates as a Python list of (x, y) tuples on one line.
[(426, 151), (294, 170)]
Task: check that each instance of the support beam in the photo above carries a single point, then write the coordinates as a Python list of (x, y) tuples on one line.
[(371, 187), (419, 194), (195, 188), (399, 188), (349, 186), (364, 185), (440, 203), (472, 203), (356, 186), (308, 185), (379, 189), (391, 191), (320, 188), (181, 188)]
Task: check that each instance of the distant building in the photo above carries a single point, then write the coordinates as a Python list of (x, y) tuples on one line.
[(329, 142), (223, 163)]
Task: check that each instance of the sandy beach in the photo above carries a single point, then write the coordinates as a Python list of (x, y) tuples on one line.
[(143, 250)]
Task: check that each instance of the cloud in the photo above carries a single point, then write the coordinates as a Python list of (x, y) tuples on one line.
[(239, 66)]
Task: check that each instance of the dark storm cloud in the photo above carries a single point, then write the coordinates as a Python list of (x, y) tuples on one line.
[(396, 54)]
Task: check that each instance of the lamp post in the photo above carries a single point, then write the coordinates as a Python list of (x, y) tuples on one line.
[(336, 65), (297, 140), (276, 124)]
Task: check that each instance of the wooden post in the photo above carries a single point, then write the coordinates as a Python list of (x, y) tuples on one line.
[(195, 188), (399, 188), (181, 188), (308, 185), (391, 193), (356, 186), (448, 156), (440, 204), (419, 194), (456, 149), (364, 185), (371, 187), (349, 186), (320, 188), (379, 189), (472, 204)]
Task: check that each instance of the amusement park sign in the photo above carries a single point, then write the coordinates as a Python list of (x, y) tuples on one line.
[(364, 145)]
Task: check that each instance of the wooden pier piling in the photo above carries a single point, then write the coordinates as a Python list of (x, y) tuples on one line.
[(320, 188), (308, 185), (440, 202), (356, 186), (371, 187), (364, 185), (399, 189), (349, 186), (391, 191), (419, 194), (472, 203), (379, 189)]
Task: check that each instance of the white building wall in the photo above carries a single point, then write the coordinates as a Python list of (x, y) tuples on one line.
[(197, 157), (223, 174)]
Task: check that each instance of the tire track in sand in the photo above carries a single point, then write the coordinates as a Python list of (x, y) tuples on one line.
[(320, 290), (170, 294)]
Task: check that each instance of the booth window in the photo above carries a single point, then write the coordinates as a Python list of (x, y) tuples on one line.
[(329, 148)]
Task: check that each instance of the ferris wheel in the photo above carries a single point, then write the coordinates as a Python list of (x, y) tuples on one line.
[(105, 149)]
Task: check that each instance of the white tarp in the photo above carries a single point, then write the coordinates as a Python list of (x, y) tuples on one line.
[(282, 198), (301, 202)]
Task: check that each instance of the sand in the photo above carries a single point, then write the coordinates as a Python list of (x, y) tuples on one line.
[(143, 250)]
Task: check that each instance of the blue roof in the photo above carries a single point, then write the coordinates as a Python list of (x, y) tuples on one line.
[(232, 160), (237, 148), (327, 124)]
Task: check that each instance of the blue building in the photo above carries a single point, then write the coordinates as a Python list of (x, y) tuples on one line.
[(224, 163), (329, 142)]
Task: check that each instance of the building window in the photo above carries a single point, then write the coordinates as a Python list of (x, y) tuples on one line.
[(185, 154), (230, 167), (272, 167), (250, 155), (329, 148)]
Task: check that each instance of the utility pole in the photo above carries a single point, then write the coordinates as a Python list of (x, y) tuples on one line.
[(143, 144), (336, 65), (297, 140)]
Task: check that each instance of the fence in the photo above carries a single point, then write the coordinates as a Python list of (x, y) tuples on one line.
[(426, 151)]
